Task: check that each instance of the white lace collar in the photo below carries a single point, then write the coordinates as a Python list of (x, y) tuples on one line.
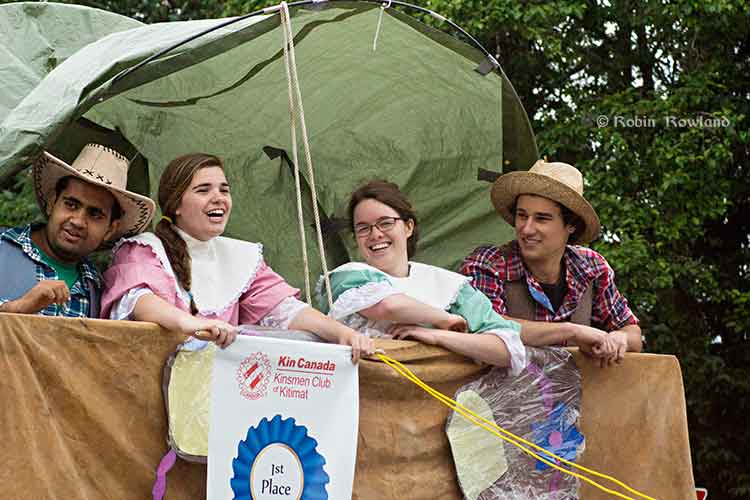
[(222, 268), (428, 284)]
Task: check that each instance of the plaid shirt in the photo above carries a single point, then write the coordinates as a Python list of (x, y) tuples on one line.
[(489, 268), (78, 305)]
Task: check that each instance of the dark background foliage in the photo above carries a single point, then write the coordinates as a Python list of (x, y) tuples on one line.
[(651, 100)]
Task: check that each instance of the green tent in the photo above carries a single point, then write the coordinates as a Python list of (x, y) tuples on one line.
[(385, 96)]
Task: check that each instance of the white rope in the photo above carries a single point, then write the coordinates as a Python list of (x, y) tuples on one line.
[(297, 183), (295, 106), (383, 6)]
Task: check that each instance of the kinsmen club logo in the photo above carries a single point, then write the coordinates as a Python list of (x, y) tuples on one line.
[(278, 460), (254, 376)]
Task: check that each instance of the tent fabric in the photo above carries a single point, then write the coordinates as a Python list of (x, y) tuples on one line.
[(414, 111), (41, 118), (84, 417), (38, 36)]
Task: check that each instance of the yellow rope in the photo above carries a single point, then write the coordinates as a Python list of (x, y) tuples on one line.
[(492, 427)]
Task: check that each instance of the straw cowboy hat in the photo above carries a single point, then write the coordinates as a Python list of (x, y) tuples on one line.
[(558, 182), (101, 166)]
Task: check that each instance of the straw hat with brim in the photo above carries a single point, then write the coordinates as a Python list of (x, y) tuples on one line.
[(100, 166), (558, 182)]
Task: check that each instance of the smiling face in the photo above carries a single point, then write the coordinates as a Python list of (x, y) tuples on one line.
[(540, 229), (384, 250), (203, 211), (79, 221)]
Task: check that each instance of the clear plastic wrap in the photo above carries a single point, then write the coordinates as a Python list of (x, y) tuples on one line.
[(541, 405)]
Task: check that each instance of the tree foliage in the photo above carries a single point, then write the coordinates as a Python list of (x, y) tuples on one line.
[(651, 100), (17, 205)]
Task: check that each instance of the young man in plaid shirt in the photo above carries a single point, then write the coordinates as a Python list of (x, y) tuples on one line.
[(45, 268), (560, 292)]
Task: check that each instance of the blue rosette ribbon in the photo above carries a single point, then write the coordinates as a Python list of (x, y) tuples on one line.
[(285, 432)]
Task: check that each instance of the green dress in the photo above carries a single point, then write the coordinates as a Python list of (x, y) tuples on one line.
[(356, 286)]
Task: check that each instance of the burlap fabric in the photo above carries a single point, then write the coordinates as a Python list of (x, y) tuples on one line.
[(83, 417)]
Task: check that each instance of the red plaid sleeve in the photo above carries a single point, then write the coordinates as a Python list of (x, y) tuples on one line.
[(610, 310), (486, 275)]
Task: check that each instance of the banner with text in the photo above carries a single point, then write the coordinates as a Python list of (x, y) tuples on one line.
[(284, 418)]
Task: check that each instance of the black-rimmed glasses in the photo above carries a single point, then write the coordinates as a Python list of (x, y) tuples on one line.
[(385, 224)]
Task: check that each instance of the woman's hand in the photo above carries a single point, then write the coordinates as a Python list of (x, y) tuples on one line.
[(420, 333), (329, 329), (153, 308), (454, 323), (361, 344), (213, 330)]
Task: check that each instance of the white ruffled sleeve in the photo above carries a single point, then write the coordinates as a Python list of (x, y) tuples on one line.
[(512, 340), (356, 299), (355, 287), (123, 308), (283, 314)]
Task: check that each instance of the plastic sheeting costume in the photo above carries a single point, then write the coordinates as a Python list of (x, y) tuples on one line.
[(541, 405)]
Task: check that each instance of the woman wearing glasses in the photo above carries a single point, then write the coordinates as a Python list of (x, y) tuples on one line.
[(388, 294)]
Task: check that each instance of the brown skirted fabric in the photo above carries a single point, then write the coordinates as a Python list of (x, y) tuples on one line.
[(633, 418), (403, 451), (83, 417)]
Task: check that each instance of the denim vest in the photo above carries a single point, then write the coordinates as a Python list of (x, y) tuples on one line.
[(18, 276)]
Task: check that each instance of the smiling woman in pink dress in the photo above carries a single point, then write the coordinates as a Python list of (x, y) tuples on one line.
[(187, 277)]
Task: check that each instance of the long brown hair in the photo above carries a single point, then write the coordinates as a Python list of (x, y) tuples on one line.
[(389, 194), (173, 183)]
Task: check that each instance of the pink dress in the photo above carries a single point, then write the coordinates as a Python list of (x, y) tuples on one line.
[(136, 266)]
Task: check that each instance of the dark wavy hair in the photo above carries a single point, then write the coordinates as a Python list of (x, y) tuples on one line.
[(173, 183), (389, 194), (570, 218), (62, 184)]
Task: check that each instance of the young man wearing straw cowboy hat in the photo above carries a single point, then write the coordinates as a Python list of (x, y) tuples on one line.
[(557, 290), (45, 267)]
